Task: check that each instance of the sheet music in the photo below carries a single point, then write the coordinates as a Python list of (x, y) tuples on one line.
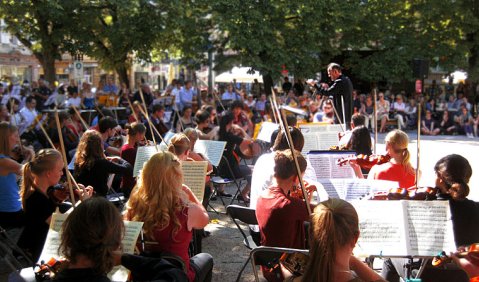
[(320, 127), (266, 130), (429, 227), (350, 189), (310, 143), (194, 174), (325, 165), (381, 227), (323, 140), (143, 154), (52, 242), (212, 150)]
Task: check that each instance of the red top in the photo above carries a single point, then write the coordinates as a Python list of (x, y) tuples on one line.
[(128, 153), (281, 219), (394, 172), (177, 245)]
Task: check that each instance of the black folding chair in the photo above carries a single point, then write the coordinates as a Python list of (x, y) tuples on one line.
[(269, 256), (247, 216)]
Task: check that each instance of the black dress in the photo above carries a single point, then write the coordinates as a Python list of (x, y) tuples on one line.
[(97, 175), (38, 208), (81, 274)]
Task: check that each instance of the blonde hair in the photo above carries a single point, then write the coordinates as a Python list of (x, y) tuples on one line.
[(89, 150), (43, 161), (335, 224), (399, 141), (158, 194), (179, 144), (6, 130)]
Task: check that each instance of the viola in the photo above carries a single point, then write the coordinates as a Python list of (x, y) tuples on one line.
[(442, 258), (365, 161)]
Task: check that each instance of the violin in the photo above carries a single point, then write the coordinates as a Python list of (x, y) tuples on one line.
[(365, 161), (442, 258), (338, 148), (411, 193), (297, 192), (60, 193), (47, 270)]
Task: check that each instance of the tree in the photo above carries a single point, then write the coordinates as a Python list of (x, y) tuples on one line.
[(116, 31), (40, 26), (265, 35)]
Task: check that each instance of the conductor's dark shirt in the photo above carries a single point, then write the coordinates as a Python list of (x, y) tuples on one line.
[(341, 87)]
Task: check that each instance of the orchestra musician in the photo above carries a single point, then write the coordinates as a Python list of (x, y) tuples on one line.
[(203, 124), (280, 216), (108, 127), (39, 174), (11, 214), (92, 167), (452, 177), (135, 137), (263, 171), (156, 118), (398, 168), (178, 212), (333, 236), (186, 120), (241, 118), (230, 133)]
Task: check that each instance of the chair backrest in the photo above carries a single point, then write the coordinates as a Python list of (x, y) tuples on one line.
[(269, 256), (244, 214)]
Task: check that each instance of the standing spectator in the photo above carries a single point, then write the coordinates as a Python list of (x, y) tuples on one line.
[(287, 85), (298, 87), (188, 96), (230, 94), (256, 88), (42, 94), (110, 88)]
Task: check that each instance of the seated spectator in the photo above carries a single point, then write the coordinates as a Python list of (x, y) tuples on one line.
[(464, 122), (447, 126), (411, 113), (367, 110), (327, 114), (428, 125), (399, 111)]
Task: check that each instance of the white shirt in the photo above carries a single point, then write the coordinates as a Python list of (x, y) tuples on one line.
[(262, 176), (27, 118), (74, 102)]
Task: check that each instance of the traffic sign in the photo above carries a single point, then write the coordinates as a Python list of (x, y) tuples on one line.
[(78, 70)]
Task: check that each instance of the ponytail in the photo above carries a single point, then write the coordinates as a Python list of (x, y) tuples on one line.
[(335, 224), (179, 144), (455, 171), (459, 191), (43, 161), (27, 183)]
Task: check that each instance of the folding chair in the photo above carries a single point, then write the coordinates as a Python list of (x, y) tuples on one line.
[(248, 216), (237, 181), (269, 256)]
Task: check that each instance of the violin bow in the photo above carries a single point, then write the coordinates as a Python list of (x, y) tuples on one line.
[(64, 155), (83, 122), (272, 111), (418, 142), (99, 111), (152, 128), (284, 126), (337, 115), (344, 113), (132, 110), (375, 121), (145, 113)]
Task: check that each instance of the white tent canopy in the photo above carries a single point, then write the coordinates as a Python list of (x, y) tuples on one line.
[(240, 74)]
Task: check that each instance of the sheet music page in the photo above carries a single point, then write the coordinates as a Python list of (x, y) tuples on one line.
[(357, 188), (266, 130), (327, 139), (321, 164), (333, 187), (194, 174), (167, 116), (337, 171), (52, 242), (143, 154), (313, 127), (310, 143), (381, 227), (212, 150), (429, 227)]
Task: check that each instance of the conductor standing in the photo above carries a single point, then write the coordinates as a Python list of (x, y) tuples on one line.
[(340, 91)]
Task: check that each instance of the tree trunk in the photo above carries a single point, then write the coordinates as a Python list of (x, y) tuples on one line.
[(268, 84), (48, 63), (122, 72)]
